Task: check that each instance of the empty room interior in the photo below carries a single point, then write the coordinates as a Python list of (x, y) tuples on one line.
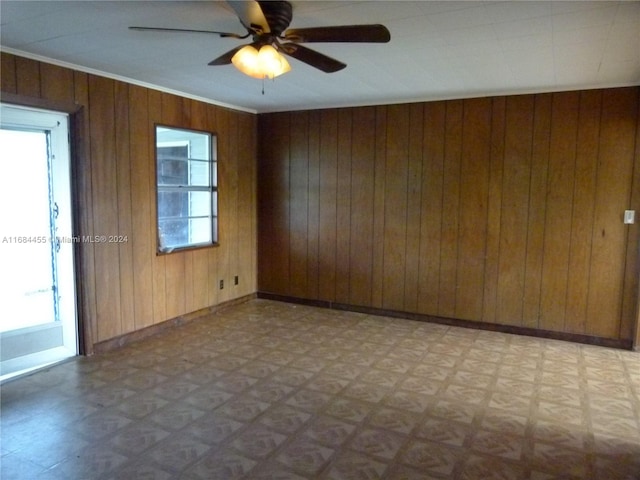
[(320, 240)]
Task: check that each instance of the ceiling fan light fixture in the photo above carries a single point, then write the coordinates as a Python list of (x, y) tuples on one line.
[(264, 63)]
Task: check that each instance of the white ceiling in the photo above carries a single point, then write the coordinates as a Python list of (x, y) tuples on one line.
[(438, 50)]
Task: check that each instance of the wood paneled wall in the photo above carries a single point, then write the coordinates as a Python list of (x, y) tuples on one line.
[(126, 286), (505, 210)]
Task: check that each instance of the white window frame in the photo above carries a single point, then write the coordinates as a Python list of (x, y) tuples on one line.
[(212, 188)]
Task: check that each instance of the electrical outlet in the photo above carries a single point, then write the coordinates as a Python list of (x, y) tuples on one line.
[(235, 280), (629, 217), (221, 284)]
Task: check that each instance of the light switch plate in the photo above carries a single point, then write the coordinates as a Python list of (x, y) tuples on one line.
[(629, 217)]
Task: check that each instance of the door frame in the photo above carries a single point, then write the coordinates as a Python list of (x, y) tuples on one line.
[(80, 204), (55, 335)]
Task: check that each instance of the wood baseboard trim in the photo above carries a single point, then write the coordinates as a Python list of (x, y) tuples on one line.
[(455, 322), (137, 335)]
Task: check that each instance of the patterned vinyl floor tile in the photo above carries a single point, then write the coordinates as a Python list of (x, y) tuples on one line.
[(272, 391)]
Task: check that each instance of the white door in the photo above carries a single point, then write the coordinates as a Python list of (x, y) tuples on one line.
[(38, 323)]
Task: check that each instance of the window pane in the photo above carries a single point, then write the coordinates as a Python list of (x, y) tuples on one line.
[(199, 173), (172, 204), (181, 232), (173, 233), (200, 230), (200, 204), (184, 204), (173, 165)]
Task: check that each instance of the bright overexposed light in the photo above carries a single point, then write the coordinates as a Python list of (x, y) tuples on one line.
[(265, 63)]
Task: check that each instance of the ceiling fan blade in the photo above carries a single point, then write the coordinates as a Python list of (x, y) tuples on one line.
[(250, 15), (347, 33), (186, 30), (311, 57), (225, 58)]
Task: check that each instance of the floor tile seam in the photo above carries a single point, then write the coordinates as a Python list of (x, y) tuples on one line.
[(586, 434), (527, 435), (596, 403), (479, 417), (635, 391), (516, 465), (421, 417), (349, 447), (131, 464), (338, 452), (588, 454), (29, 460), (594, 430), (458, 453), (135, 458), (289, 439), (75, 463), (177, 472), (282, 448)]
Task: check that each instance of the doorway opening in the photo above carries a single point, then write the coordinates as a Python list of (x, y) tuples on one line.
[(38, 318)]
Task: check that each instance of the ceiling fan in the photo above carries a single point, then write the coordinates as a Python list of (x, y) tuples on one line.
[(267, 24)]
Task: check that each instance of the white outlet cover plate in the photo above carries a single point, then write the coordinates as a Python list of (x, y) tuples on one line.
[(629, 217)]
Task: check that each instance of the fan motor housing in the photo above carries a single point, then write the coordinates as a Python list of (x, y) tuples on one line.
[(278, 15)]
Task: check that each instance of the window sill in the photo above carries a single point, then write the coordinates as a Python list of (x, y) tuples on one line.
[(189, 248)]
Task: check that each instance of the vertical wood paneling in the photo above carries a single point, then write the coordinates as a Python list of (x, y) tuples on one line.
[(231, 182), (431, 217), (27, 77), (143, 228), (213, 253), (274, 215), (536, 211), (494, 210), (124, 231), (450, 209), (62, 89), (328, 204), (105, 206), (299, 203), (630, 325), (225, 197), (313, 224), (395, 206), (250, 129), (615, 162), (189, 303), (159, 261), (362, 200), (377, 252), (582, 217), (246, 205), (514, 208), (482, 209), (557, 228), (343, 206), (267, 249), (414, 204), (474, 185), (8, 81)]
